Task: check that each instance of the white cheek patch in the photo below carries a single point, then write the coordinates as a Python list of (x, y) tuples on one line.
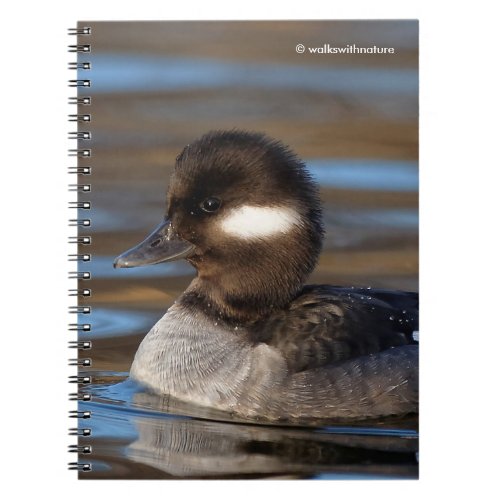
[(249, 222)]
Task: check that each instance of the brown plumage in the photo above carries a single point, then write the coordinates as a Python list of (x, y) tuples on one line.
[(247, 335)]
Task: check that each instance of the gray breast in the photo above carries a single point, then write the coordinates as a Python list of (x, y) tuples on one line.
[(189, 357)]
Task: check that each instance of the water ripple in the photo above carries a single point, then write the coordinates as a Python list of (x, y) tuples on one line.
[(366, 174), (129, 73)]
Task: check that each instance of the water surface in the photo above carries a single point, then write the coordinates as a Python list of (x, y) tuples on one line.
[(129, 73)]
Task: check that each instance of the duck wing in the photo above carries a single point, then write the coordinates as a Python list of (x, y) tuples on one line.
[(327, 324)]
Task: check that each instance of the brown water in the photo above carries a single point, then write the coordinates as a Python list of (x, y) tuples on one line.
[(354, 120)]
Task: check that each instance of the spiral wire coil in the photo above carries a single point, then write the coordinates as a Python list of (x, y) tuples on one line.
[(82, 151)]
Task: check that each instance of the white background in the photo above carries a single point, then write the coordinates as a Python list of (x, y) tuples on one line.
[(459, 246)]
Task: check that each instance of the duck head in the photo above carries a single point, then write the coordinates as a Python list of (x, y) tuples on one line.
[(243, 210)]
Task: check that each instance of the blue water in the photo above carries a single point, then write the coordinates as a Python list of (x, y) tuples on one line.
[(366, 174), (400, 218), (130, 73), (108, 322)]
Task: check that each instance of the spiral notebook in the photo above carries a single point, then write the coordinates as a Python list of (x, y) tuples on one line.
[(314, 125)]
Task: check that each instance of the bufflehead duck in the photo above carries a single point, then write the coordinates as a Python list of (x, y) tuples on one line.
[(247, 336)]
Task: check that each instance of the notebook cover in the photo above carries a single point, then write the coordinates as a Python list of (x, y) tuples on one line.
[(343, 95)]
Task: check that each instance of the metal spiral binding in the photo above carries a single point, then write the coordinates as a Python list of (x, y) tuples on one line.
[(84, 47), (80, 327), (77, 65), (80, 379), (79, 83), (83, 292), (80, 188), (80, 31), (80, 414), (80, 344), (79, 222), (81, 117), (83, 205), (80, 449), (80, 240), (80, 170), (80, 362), (82, 101), (80, 396), (80, 257), (80, 153), (77, 431), (83, 136), (79, 467), (80, 275)]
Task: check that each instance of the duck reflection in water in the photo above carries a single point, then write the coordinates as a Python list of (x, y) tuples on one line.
[(190, 448)]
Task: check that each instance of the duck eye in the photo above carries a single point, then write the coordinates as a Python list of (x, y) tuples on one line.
[(211, 205)]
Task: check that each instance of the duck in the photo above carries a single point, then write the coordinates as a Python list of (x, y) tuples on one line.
[(248, 336)]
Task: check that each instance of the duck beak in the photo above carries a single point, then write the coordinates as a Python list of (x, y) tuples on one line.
[(162, 245)]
